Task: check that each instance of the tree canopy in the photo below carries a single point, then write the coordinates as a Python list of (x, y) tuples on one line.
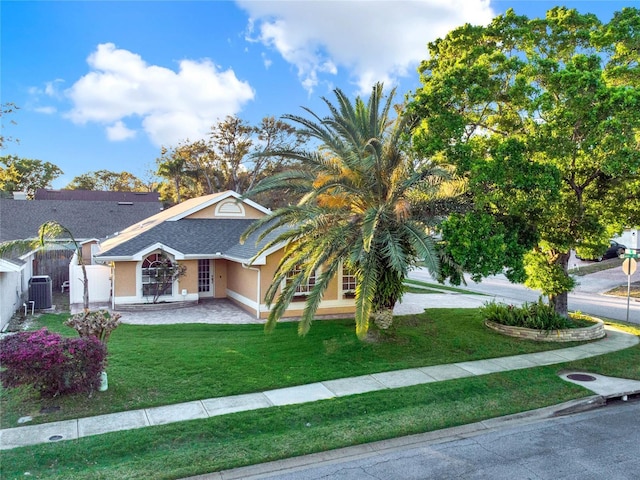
[(541, 117), (26, 175), (109, 181), (232, 158)]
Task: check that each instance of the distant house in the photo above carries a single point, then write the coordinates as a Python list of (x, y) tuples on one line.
[(14, 278), (202, 234), (88, 215), (97, 196)]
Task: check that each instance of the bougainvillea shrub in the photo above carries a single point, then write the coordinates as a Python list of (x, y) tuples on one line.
[(52, 364)]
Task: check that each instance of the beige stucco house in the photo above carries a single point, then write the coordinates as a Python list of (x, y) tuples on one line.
[(202, 234)]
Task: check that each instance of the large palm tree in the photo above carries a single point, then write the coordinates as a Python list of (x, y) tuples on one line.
[(355, 210)]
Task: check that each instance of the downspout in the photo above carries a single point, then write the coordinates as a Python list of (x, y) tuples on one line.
[(113, 286), (244, 265)]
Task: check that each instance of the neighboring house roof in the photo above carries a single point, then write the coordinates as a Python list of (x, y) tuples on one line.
[(7, 265), (187, 237), (96, 195), (20, 219)]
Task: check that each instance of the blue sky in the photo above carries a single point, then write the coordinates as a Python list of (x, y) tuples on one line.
[(105, 84)]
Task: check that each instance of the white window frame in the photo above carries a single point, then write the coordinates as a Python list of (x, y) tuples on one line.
[(347, 277), (146, 279), (304, 289)]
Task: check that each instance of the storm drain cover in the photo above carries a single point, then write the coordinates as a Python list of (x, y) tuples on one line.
[(55, 438), (581, 377)]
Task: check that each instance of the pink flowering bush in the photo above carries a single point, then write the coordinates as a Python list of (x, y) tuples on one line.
[(52, 364)]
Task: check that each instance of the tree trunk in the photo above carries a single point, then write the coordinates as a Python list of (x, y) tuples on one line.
[(560, 301), (85, 283), (383, 318), (177, 182)]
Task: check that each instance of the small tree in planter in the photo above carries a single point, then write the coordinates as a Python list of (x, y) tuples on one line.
[(96, 325)]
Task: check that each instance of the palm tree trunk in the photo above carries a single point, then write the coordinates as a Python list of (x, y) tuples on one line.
[(383, 318), (85, 285)]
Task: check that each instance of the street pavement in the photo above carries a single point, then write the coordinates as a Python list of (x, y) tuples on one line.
[(588, 296), (592, 445)]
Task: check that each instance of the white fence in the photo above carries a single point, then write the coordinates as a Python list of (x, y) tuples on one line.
[(99, 279)]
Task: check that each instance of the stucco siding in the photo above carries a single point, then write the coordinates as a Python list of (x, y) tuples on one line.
[(242, 280), (190, 280), (10, 295), (214, 211), (125, 279)]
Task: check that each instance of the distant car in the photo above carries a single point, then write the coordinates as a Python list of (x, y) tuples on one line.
[(614, 251)]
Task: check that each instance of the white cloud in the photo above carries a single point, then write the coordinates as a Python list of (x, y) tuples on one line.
[(119, 132), (172, 106), (52, 89), (46, 110), (266, 61), (373, 40)]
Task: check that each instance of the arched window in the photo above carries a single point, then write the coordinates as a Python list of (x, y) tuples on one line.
[(157, 276)]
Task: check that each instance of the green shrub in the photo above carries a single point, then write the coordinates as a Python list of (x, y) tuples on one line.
[(538, 316), (52, 364)]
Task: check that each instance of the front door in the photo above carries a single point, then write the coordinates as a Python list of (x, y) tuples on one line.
[(205, 278)]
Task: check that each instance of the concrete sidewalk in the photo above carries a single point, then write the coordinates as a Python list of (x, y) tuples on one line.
[(73, 429)]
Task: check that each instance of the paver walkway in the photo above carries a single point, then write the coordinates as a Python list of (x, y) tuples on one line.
[(73, 429)]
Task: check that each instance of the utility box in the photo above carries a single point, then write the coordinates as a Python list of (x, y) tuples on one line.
[(40, 291)]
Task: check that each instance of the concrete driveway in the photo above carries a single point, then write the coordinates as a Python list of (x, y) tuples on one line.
[(220, 311)]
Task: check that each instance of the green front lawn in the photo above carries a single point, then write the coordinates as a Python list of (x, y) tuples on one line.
[(160, 365), (168, 364)]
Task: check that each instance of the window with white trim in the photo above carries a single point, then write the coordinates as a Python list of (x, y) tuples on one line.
[(348, 282), (304, 288), (157, 275)]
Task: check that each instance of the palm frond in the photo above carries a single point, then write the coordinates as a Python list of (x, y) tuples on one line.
[(424, 246)]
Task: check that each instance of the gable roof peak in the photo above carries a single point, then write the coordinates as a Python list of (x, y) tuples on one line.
[(193, 205)]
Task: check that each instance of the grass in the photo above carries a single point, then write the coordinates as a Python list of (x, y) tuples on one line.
[(623, 290), (159, 365), (241, 358), (192, 448), (596, 267), (417, 286)]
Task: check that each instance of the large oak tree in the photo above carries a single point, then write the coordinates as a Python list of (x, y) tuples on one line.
[(542, 117)]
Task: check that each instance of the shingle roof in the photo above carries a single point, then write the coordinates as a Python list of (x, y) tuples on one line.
[(96, 195), (20, 219), (188, 236), (200, 237), (194, 237)]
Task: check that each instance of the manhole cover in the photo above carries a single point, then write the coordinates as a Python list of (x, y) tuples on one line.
[(581, 377), (55, 438)]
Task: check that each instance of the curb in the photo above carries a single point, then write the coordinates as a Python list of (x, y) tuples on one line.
[(290, 465)]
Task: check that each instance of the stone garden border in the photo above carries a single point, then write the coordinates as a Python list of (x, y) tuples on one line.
[(592, 332)]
